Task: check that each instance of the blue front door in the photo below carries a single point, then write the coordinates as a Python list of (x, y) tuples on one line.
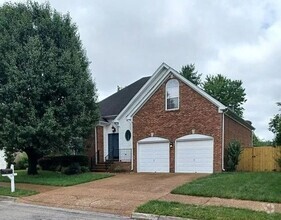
[(113, 146)]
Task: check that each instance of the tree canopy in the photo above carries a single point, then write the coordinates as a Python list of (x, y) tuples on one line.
[(257, 142), (275, 126), (228, 92), (47, 96), (189, 73)]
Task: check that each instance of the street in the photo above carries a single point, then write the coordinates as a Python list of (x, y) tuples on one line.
[(16, 211)]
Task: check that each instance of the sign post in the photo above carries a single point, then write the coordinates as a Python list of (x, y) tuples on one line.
[(10, 173)]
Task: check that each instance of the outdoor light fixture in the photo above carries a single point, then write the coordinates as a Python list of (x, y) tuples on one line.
[(171, 144), (113, 129)]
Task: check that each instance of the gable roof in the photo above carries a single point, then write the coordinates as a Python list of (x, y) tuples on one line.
[(114, 104), (126, 102), (159, 76)]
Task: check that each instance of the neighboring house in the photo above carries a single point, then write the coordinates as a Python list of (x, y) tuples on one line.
[(164, 123), (2, 160)]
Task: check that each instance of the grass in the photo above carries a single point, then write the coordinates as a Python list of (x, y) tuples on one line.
[(204, 212), (247, 186), (55, 178), (6, 191)]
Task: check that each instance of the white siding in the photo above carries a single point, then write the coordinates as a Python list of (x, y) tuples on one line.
[(2, 160), (121, 129)]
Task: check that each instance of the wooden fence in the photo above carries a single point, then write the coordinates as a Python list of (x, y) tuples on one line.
[(259, 159)]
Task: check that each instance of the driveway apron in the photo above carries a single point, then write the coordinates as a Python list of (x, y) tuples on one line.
[(120, 194)]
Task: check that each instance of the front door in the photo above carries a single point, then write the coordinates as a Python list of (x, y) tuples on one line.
[(113, 146)]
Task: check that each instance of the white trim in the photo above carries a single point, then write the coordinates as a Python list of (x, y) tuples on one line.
[(198, 90), (144, 93), (194, 137), (132, 141), (153, 84), (178, 97), (103, 123), (222, 143), (150, 140)]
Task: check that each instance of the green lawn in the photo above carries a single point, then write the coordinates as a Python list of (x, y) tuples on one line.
[(6, 191), (248, 186), (55, 178), (203, 212)]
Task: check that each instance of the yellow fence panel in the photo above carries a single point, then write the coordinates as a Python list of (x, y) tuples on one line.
[(259, 159)]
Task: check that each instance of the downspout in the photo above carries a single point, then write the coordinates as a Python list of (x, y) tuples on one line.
[(222, 140)]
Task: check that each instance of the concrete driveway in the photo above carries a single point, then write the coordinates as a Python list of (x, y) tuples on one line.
[(120, 194)]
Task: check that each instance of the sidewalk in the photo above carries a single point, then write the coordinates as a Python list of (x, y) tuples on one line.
[(213, 201)]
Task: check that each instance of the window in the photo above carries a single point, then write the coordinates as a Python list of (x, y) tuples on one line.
[(128, 135), (172, 94)]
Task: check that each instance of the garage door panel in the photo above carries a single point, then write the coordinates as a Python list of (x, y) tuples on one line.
[(194, 156), (153, 157)]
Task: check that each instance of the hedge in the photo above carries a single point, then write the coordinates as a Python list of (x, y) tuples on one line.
[(55, 163)]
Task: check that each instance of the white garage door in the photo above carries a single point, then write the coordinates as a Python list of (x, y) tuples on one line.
[(194, 154), (153, 155)]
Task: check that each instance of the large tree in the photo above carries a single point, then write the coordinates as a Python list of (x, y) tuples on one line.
[(191, 74), (47, 96), (227, 91), (275, 126)]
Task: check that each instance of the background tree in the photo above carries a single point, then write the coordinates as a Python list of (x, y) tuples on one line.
[(275, 126), (189, 73), (227, 91), (257, 142), (47, 97)]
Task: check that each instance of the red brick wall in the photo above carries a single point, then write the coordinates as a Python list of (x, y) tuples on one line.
[(99, 130), (233, 130), (90, 148), (195, 112), (90, 145)]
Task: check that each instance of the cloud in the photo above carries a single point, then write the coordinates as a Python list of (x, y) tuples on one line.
[(130, 39)]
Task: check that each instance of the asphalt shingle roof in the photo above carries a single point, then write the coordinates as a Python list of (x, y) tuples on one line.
[(114, 104)]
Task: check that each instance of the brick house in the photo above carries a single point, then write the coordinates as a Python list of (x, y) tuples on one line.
[(164, 123)]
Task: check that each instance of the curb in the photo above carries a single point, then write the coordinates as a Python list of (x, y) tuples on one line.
[(8, 198), (144, 216)]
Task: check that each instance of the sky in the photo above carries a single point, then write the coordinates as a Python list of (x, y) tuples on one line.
[(126, 40)]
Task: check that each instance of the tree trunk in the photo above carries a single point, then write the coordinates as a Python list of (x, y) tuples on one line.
[(32, 162)]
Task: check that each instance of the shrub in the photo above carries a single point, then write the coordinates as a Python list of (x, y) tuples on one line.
[(84, 169), (232, 154), (20, 160), (119, 169), (22, 163), (73, 168), (55, 163)]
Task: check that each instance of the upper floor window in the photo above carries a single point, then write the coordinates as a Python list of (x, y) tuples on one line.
[(172, 94)]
